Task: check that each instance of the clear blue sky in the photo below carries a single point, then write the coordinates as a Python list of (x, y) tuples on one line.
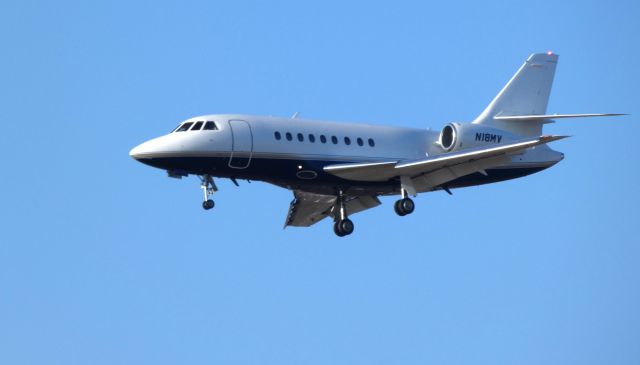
[(106, 261)]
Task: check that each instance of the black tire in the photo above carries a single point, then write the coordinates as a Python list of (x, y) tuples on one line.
[(346, 226), (407, 205), (398, 208), (337, 230), (208, 204)]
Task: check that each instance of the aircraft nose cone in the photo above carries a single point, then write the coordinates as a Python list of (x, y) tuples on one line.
[(142, 150), (152, 151), (136, 151)]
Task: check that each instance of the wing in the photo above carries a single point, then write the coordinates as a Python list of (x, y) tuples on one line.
[(307, 209), (471, 160)]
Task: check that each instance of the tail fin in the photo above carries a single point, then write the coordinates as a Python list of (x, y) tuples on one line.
[(527, 93)]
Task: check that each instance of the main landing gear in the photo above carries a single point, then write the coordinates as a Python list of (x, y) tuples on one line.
[(208, 187), (405, 205), (343, 226)]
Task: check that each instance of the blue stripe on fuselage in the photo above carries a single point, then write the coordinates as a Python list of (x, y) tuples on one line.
[(283, 172)]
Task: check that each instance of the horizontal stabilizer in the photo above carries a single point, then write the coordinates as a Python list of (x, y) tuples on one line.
[(537, 118)]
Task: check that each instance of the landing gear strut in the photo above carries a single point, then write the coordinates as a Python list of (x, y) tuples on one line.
[(208, 187), (343, 226), (405, 205)]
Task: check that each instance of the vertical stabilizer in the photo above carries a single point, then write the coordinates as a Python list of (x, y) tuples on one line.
[(527, 93)]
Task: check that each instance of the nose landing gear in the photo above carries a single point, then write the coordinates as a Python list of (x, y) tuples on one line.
[(208, 204), (208, 187)]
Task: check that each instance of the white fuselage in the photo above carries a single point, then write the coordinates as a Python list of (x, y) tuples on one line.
[(293, 152)]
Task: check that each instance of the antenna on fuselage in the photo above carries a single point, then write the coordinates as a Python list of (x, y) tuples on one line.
[(295, 115)]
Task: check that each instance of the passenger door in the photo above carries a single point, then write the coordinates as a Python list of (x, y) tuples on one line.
[(241, 145)]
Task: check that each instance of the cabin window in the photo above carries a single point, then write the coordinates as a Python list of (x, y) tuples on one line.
[(360, 142), (347, 141), (372, 143), (312, 138), (323, 139), (300, 137), (197, 126), (289, 136), (185, 127), (334, 139), (277, 135), (210, 126)]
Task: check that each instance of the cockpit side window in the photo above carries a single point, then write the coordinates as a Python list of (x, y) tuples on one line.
[(210, 126), (197, 126), (184, 127), (176, 128)]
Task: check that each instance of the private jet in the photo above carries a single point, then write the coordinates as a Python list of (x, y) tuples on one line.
[(339, 169)]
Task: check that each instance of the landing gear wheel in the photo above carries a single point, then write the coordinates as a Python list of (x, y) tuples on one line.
[(407, 205), (337, 230), (208, 204), (404, 206), (397, 208), (346, 226), (343, 228)]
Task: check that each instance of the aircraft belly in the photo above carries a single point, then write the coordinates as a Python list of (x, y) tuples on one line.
[(306, 175), (286, 173)]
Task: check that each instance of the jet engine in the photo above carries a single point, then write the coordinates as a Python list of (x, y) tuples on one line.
[(459, 136)]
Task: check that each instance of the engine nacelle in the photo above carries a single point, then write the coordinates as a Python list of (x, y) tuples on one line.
[(458, 136)]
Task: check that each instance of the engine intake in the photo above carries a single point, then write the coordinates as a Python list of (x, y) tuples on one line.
[(448, 137)]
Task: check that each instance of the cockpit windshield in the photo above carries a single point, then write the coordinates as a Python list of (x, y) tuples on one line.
[(205, 126), (184, 127), (210, 126)]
